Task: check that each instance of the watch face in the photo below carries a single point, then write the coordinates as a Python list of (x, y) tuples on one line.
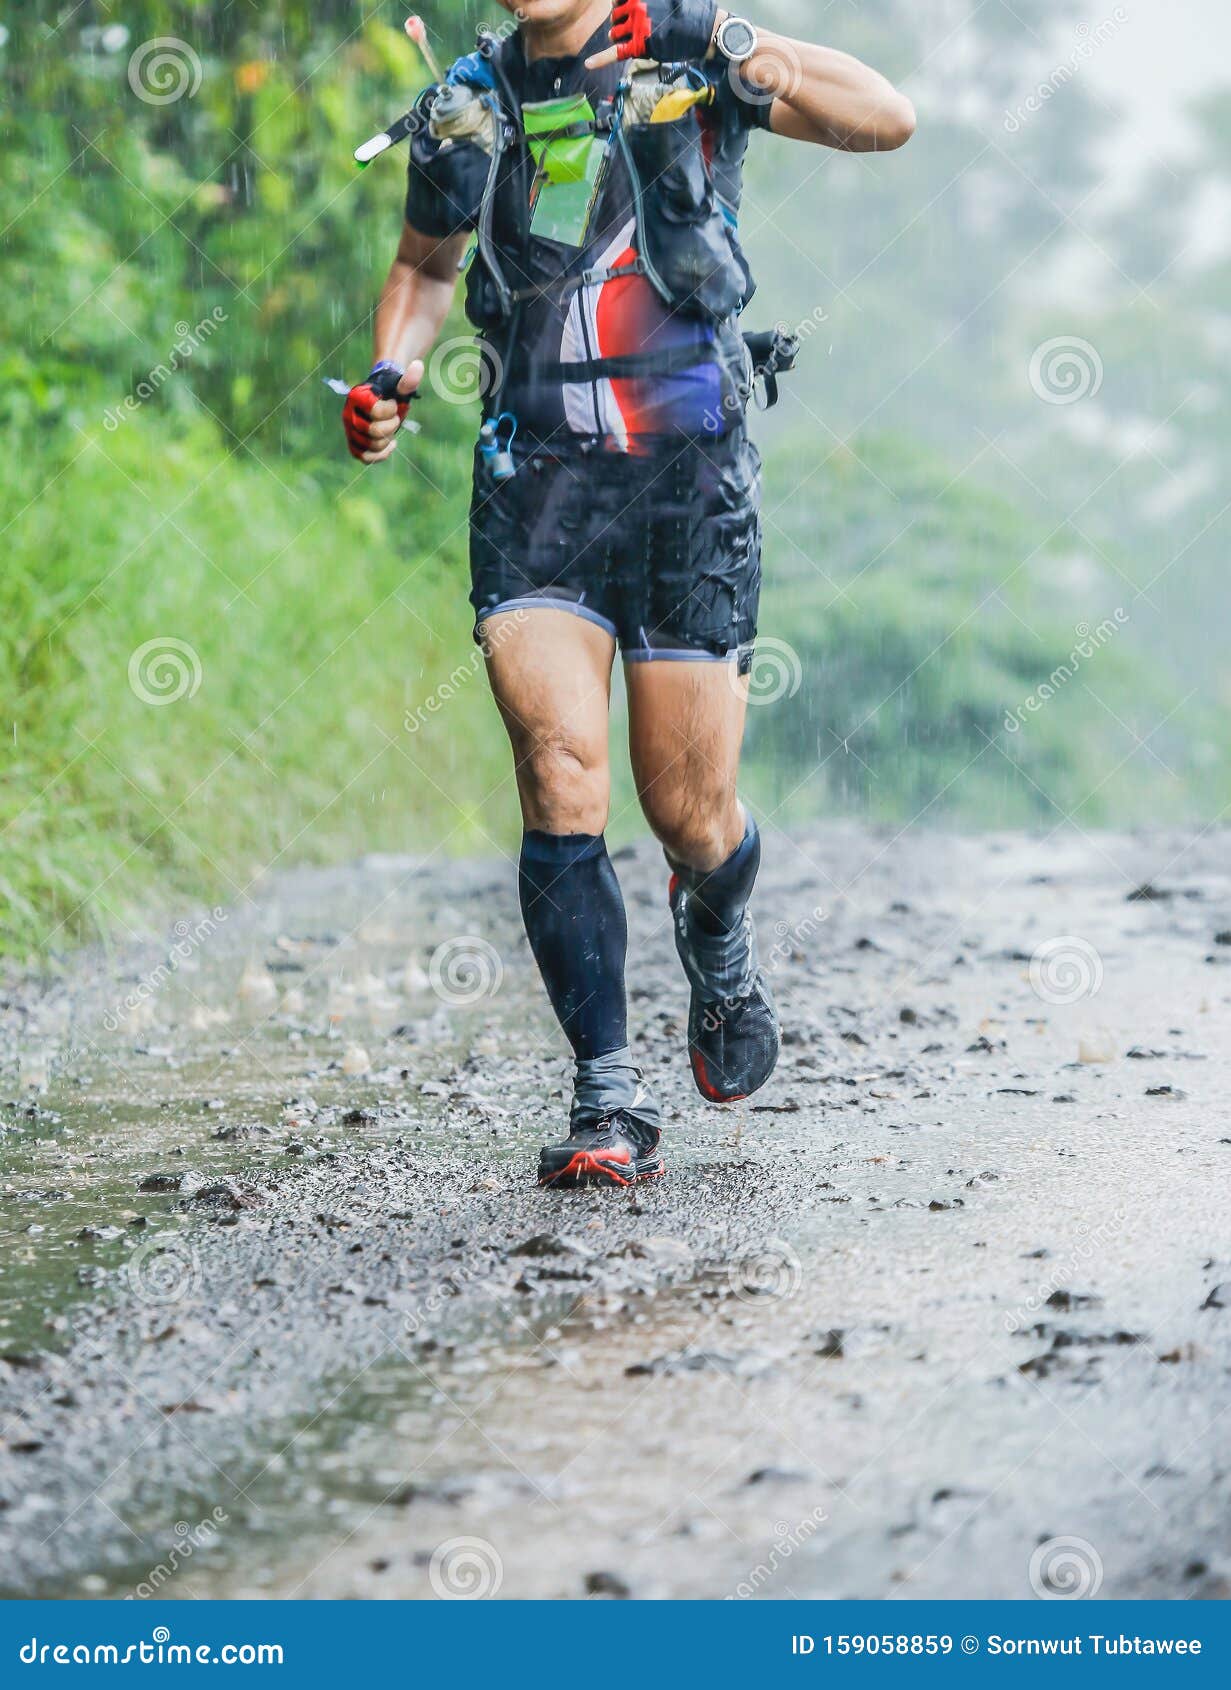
[(738, 40)]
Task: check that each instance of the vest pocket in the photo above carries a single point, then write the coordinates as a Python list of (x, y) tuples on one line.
[(684, 235)]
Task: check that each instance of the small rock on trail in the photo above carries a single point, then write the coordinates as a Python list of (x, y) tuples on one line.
[(340, 1267)]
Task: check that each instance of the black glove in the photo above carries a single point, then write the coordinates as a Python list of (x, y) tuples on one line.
[(668, 31)]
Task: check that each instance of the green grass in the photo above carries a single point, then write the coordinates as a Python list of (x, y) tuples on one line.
[(317, 615), (315, 626)]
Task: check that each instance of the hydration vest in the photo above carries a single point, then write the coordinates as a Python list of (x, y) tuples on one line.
[(502, 167)]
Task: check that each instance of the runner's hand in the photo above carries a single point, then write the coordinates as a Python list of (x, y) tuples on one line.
[(668, 31), (372, 423)]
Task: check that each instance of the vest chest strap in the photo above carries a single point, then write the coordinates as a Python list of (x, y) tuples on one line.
[(572, 284), (630, 366)]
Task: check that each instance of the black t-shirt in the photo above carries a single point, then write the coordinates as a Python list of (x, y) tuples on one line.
[(613, 318)]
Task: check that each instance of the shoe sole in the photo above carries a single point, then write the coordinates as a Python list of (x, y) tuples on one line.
[(591, 1168)]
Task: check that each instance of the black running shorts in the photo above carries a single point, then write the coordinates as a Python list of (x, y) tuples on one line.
[(662, 549)]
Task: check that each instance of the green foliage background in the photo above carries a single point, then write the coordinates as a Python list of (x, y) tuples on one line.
[(924, 598)]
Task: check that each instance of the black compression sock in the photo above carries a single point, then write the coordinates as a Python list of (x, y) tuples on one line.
[(717, 900), (575, 921)]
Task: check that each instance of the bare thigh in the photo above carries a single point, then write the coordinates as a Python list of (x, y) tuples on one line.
[(550, 675), (686, 731)]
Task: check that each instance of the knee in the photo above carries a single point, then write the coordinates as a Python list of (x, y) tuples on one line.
[(699, 828), (565, 786)]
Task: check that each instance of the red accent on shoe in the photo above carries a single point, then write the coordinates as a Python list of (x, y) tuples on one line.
[(672, 888), (601, 1162), (706, 1086)]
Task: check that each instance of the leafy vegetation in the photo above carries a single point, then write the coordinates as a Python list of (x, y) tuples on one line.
[(946, 664), (181, 273), (180, 278)]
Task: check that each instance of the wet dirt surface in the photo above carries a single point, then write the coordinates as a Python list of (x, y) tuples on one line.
[(281, 1312)]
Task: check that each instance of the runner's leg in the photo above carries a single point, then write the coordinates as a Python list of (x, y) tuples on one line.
[(686, 730), (686, 721), (551, 676)]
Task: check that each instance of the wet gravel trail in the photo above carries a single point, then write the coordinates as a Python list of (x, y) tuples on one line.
[(946, 1311)]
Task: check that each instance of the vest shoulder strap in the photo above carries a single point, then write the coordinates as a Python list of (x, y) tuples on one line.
[(474, 70)]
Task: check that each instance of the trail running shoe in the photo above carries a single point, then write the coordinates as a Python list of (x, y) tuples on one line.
[(733, 1045), (733, 1034), (616, 1150)]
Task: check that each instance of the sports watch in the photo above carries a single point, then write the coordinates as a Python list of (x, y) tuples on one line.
[(736, 40)]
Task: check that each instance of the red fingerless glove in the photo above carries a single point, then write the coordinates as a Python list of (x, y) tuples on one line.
[(631, 28), (669, 31), (357, 417)]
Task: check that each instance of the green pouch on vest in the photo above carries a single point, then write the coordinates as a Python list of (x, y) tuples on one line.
[(567, 165)]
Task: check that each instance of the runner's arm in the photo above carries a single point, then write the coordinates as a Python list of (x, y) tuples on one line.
[(417, 295), (829, 98), (414, 303), (820, 95)]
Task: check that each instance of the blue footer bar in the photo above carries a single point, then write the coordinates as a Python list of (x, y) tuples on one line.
[(628, 1644)]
